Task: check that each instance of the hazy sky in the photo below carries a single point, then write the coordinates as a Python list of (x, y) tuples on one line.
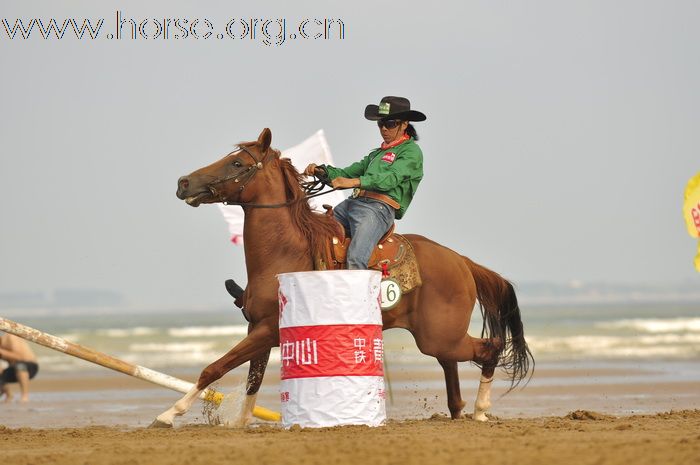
[(559, 139)]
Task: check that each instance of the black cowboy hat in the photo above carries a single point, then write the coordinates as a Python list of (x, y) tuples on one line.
[(393, 108)]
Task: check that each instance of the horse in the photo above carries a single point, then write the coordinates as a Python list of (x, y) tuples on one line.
[(282, 233)]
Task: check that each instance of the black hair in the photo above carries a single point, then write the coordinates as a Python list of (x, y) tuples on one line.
[(411, 131)]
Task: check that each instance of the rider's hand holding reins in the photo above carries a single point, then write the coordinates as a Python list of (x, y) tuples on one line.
[(337, 183), (310, 170)]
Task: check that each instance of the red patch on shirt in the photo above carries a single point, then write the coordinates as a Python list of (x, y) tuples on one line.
[(389, 157)]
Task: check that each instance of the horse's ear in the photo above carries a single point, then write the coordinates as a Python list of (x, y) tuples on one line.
[(265, 139)]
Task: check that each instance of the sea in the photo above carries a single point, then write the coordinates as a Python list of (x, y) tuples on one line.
[(181, 340)]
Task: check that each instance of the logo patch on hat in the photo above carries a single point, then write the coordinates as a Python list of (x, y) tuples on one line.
[(384, 108), (389, 157)]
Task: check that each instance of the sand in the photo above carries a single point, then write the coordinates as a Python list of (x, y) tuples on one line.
[(581, 438), (112, 399), (586, 414)]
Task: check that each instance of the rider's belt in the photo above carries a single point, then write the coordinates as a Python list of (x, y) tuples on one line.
[(376, 196)]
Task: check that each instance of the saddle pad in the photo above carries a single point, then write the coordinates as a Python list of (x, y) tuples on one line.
[(396, 251), (405, 271)]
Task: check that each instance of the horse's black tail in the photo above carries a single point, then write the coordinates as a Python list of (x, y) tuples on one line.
[(502, 320)]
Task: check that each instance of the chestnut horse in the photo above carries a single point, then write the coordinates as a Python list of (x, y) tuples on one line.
[(281, 234)]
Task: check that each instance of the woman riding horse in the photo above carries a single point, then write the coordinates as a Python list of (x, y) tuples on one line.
[(385, 181), (282, 234)]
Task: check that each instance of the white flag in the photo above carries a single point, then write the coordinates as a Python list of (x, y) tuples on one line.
[(313, 150)]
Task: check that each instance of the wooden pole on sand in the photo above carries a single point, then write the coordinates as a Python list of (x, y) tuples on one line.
[(107, 361)]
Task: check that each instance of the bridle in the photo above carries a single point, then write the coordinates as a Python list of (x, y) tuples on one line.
[(244, 176), (312, 188)]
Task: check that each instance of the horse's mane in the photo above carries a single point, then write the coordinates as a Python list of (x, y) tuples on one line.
[(317, 228)]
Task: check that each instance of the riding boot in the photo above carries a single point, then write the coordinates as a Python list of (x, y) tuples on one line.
[(234, 290)]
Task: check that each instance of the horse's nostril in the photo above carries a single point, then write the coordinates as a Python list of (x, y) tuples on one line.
[(184, 183)]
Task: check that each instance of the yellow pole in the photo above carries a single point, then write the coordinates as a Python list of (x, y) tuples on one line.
[(107, 361)]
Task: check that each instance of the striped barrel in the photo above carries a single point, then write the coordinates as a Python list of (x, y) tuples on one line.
[(331, 348)]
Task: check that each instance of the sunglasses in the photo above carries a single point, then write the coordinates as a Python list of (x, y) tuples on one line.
[(389, 123)]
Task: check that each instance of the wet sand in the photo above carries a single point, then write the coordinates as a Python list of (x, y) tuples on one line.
[(581, 438), (111, 399), (101, 418)]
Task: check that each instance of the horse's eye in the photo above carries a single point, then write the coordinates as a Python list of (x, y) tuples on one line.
[(237, 164)]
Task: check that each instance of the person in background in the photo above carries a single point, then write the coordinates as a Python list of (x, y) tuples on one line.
[(23, 365)]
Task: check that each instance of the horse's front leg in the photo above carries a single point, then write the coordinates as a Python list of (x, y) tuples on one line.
[(256, 372), (257, 343)]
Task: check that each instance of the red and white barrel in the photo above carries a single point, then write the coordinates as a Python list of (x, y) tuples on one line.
[(331, 348)]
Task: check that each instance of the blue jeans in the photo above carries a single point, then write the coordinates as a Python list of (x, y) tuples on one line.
[(366, 221)]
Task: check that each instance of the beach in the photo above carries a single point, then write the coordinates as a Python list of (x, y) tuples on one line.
[(581, 437), (618, 389), (607, 388), (586, 415), (161, 158)]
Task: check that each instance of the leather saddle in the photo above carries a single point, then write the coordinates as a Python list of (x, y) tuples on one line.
[(389, 252)]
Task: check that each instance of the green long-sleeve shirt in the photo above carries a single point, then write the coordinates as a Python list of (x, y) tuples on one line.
[(395, 171)]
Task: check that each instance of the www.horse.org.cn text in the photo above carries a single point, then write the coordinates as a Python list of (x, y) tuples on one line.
[(266, 31)]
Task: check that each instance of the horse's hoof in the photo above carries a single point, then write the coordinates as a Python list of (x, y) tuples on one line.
[(160, 424), (480, 416)]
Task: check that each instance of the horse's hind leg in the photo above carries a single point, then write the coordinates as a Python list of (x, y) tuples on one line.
[(454, 396), (483, 395), (486, 354), (482, 351)]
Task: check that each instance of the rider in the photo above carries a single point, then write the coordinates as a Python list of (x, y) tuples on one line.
[(384, 181)]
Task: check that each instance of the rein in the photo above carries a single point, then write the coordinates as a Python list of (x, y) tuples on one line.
[(311, 188)]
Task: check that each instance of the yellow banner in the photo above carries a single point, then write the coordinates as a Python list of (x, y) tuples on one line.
[(691, 211), (691, 206)]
